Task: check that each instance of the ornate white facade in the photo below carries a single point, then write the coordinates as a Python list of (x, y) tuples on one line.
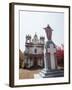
[(34, 52)]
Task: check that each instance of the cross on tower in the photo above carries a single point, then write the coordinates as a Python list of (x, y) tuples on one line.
[(52, 51)]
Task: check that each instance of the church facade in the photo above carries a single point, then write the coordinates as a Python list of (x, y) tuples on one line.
[(34, 51)]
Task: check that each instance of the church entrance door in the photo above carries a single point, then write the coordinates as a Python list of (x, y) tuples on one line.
[(35, 62)]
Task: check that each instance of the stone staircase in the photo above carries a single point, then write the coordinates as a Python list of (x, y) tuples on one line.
[(51, 73)]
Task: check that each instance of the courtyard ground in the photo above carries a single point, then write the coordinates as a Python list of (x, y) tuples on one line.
[(27, 74)]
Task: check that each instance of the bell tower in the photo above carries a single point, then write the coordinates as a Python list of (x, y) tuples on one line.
[(28, 38), (42, 40)]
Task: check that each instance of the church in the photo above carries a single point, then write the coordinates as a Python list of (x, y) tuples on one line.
[(34, 52)]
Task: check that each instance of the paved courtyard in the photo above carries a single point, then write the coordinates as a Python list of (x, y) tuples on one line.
[(27, 74)]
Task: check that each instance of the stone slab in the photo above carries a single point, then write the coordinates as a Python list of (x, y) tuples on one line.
[(50, 73)]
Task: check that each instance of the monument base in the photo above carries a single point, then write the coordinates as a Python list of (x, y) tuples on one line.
[(49, 73)]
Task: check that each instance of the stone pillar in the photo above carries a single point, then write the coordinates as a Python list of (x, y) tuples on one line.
[(29, 63), (45, 63)]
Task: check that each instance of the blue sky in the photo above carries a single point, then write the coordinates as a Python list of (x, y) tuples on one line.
[(34, 22)]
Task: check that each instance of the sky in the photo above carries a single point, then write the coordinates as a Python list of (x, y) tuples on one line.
[(33, 22)]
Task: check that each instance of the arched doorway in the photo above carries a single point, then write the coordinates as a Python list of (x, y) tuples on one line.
[(35, 62)]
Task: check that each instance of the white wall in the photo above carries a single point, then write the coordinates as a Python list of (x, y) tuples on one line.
[(4, 44), (32, 50)]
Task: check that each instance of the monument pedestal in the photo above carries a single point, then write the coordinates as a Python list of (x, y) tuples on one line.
[(50, 63)]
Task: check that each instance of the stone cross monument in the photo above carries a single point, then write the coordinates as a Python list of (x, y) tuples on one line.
[(50, 60)]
